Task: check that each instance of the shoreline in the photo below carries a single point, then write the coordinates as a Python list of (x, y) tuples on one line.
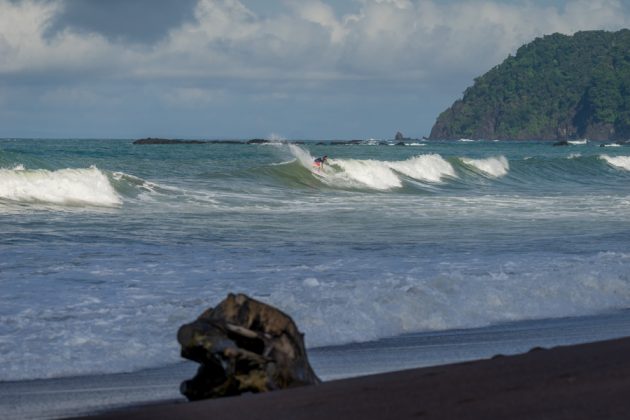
[(583, 381), (98, 393)]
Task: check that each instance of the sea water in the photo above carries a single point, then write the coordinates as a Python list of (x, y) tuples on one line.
[(107, 247)]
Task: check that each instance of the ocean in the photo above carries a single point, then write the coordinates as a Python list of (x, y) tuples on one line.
[(107, 247)]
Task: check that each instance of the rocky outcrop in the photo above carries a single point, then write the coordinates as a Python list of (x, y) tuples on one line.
[(243, 345), (401, 137), (151, 140)]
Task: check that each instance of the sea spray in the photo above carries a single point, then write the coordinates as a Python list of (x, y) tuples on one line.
[(302, 155)]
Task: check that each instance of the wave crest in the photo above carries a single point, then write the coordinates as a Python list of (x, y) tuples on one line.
[(431, 168), (376, 174), (384, 175), (83, 186), (494, 167), (622, 162)]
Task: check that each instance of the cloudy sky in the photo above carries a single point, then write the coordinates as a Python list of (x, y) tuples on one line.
[(314, 69)]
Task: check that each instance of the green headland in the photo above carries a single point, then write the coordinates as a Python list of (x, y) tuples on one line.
[(555, 88)]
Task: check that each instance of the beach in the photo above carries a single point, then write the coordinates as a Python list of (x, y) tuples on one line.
[(381, 360), (585, 381)]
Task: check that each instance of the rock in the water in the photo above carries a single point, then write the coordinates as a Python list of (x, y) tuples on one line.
[(151, 140), (243, 345)]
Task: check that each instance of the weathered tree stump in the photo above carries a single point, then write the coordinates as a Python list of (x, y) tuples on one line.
[(243, 345)]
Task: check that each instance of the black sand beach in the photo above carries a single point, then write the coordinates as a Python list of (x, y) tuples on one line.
[(588, 381), (108, 394)]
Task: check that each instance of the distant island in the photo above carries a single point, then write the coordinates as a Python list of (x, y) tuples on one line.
[(557, 87), (154, 140), (399, 140)]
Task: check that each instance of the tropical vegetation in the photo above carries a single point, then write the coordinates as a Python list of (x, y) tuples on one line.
[(556, 87)]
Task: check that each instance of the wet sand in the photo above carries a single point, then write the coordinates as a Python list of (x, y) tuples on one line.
[(585, 381), (97, 393)]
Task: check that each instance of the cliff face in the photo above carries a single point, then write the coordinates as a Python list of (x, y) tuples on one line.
[(556, 87)]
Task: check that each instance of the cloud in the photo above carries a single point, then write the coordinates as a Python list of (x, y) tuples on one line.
[(305, 40), (206, 53), (28, 58), (385, 40), (135, 21)]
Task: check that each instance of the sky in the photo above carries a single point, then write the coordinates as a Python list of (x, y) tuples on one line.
[(240, 69)]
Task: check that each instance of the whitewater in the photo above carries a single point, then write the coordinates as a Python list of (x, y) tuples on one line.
[(106, 247)]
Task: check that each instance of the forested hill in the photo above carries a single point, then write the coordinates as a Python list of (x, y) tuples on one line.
[(556, 87)]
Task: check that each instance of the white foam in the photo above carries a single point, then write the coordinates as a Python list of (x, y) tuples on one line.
[(311, 282), (377, 174), (368, 173), (461, 295), (493, 166), (85, 186), (131, 324), (622, 162), (140, 183), (578, 142), (353, 174), (574, 156), (432, 168)]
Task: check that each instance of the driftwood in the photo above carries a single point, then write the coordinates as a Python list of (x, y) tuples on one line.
[(243, 345)]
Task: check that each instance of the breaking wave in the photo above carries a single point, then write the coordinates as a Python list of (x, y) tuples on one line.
[(494, 167), (622, 162), (78, 187), (376, 174)]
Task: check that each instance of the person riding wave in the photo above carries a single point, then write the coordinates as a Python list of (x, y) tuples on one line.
[(319, 162)]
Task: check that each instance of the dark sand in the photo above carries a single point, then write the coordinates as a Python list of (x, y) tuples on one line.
[(97, 393), (586, 381)]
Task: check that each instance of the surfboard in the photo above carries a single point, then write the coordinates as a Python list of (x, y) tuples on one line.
[(318, 171)]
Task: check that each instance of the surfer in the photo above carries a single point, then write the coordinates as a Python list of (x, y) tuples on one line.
[(319, 162)]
